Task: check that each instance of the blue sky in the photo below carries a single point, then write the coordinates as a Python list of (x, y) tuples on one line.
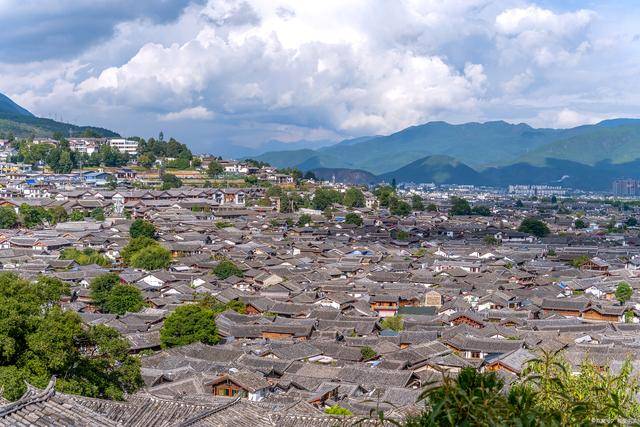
[(219, 74)]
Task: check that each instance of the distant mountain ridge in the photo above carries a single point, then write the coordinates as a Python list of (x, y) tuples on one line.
[(492, 153), (18, 121)]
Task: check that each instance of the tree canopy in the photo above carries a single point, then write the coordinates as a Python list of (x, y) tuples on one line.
[(40, 340), (226, 269), (188, 324), (353, 218), (142, 228), (534, 226), (623, 292), (354, 198)]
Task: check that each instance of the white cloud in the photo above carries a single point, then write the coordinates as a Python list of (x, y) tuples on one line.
[(254, 70), (194, 113)]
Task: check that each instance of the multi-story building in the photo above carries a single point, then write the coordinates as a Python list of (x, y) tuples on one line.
[(626, 187), (125, 145), (536, 190)]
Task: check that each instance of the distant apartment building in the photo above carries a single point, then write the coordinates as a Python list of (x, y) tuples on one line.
[(536, 190), (125, 145), (626, 187)]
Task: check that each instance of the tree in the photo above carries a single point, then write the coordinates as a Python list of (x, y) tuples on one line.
[(481, 211), (431, 207), (153, 257), (325, 197), (58, 214), (87, 256), (534, 226), (226, 269), (40, 340), (384, 195), (580, 223), (101, 287), (395, 323), (310, 176), (304, 220), (399, 208), (188, 324), (214, 169), (97, 214), (416, 203), (579, 261), (8, 217), (631, 222), (124, 298), (353, 218), (623, 292), (367, 353), (135, 245), (354, 198), (170, 181), (460, 206), (490, 240), (76, 215), (142, 228)]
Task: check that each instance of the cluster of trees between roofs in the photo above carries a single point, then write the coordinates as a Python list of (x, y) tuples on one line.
[(460, 206), (38, 340), (37, 216)]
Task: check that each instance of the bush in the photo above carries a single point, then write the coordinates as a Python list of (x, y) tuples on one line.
[(189, 324), (367, 353), (338, 410)]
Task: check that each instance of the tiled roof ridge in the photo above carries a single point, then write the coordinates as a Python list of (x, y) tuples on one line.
[(21, 403), (207, 413)]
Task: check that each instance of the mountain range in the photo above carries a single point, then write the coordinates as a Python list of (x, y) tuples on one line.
[(21, 123), (493, 153)]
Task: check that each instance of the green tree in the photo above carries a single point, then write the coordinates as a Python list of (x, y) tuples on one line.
[(631, 222), (579, 261), (431, 207), (354, 198), (226, 269), (101, 287), (399, 207), (580, 223), (188, 324), (304, 220), (170, 181), (395, 323), (124, 298), (58, 214), (214, 169), (481, 211), (416, 203), (77, 216), (142, 228), (534, 226), (325, 197), (97, 214), (153, 257), (623, 292), (367, 353), (460, 206), (384, 194), (353, 218), (87, 256), (8, 217), (135, 245), (40, 340)]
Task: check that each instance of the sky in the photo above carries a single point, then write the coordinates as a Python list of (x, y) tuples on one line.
[(223, 74)]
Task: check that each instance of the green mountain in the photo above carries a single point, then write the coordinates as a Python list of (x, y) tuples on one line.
[(17, 121), (477, 144), (436, 169), (7, 106), (618, 144)]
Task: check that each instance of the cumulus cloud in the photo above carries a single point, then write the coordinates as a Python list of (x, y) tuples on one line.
[(193, 113), (253, 70)]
